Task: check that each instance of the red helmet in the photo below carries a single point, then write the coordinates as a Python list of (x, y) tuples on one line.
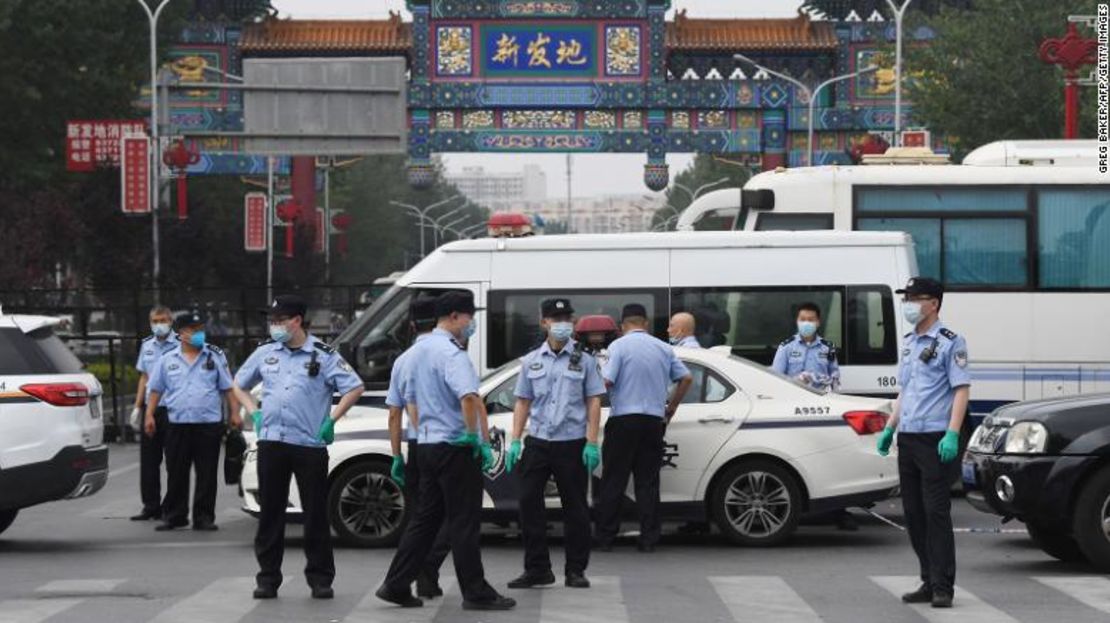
[(599, 323)]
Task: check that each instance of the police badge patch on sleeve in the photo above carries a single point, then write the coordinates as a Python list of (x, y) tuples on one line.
[(344, 366), (961, 358)]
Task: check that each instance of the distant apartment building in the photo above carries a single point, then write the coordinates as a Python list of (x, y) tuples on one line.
[(517, 191), (601, 215)]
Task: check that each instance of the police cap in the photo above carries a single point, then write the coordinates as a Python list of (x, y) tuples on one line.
[(923, 286), (191, 318), (556, 307), (423, 309), (455, 301), (287, 305)]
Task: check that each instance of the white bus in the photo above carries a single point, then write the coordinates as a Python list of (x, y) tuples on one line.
[(1019, 234), (743, 289)]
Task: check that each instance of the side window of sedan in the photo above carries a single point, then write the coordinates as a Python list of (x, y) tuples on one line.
[(708, 386), (502, 399)]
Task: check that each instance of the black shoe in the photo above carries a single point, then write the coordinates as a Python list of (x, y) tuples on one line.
[(428, 588), (400, 598), (530, 580), (322, 592), (923, 595), (576, 580), (646, 548), (166, 526), (147, 515), (265, 592), (205, 526), (942, 600), (497, 602)]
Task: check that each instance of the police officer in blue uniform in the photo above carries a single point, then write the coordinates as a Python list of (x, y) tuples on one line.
[(808, 357), (190, 381), (448, 408), (638, 373), (402, 417), (558, 395), (681, 329), (299, 375), (152, 447), (928, 416)]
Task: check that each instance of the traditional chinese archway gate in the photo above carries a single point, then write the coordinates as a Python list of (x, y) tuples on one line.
[(590, 76)]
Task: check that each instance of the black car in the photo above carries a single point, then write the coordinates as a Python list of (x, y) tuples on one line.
[(1047, 463)]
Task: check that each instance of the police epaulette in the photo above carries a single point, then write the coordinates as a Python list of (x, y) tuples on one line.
[(948, 334), (786, 342), (147, 339), (322, 347), (215, 349), (828, 343)]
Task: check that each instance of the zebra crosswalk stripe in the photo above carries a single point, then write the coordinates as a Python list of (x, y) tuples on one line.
[(373, 610), (33, 610), (1088, 590), (968, 607), (762, 598), (226, 599), (603, 602)]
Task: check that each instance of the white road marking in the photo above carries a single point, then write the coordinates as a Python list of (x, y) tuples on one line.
[(119, 471), (373, 610), (603, 602), (81, 586), (1090, 590), (226, 599), (762, 598), (967, 607), (33, 610)]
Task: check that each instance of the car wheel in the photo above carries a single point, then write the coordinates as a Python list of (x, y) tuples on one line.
[(1091, 520), (1052, 542), (757, 503), (366, 507), (6, 518)]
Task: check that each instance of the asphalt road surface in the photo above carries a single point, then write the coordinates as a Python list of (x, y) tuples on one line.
[(83, 561)]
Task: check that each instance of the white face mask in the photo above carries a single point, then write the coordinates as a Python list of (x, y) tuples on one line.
[(160, 329), (911, 311)]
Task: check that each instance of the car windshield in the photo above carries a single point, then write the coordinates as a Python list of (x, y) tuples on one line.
[(505, 366), (767, 369)]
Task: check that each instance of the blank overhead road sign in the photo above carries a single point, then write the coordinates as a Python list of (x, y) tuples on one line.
[(325, 106)]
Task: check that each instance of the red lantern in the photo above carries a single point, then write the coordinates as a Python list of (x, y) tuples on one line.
[(289, 211), (179, 157), (342, 222)]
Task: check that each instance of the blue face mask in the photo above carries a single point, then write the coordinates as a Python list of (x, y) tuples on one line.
[(469, 329), (807, 328), (561, 331), (197, 339), (911, 311), (280, 334)]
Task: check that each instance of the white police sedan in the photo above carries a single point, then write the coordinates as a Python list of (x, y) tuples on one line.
[(748, 450)]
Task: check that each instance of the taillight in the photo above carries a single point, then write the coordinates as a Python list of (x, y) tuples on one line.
[(866, 422), (59, 394)]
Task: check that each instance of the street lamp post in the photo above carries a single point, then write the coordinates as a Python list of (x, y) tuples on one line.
[(436, 224), (899, 13), (155, 156), (423, 213), (811, 94)]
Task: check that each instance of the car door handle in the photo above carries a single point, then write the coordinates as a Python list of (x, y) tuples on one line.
[(724, 419)]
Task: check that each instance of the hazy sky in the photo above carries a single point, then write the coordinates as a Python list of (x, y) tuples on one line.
[(594, 175)]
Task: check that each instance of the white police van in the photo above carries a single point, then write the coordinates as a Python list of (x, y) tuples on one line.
[(51, 428)]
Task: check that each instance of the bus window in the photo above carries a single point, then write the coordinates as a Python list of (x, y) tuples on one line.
[(718, 220), (1074, 238), (755, 321), (926, 239), (514, 316), (798, 221), (871, 331)]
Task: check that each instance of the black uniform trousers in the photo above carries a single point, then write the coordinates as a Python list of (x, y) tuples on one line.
[(196, 448), (633, 445), (442, 545), (451, 487), (277, 463), (927, 504), (151, 451), (562, 460)]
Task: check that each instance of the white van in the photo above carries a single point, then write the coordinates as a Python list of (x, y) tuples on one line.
[(742, 287)]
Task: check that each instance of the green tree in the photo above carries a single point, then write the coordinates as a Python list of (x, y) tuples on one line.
[(981, 79), (840, 9), (705, 169)]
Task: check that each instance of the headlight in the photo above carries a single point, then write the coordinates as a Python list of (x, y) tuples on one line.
[(1026, 438)]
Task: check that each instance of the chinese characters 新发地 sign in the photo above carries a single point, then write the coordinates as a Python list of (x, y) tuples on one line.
[(96, 143), (553, 50)]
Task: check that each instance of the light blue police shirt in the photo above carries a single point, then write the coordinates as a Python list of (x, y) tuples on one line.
[(818, 357), (689, 342), (928, 389), (150, 351), (641, 369), (558, 388), (295, 404), (192, 392), (399, 380), (441, 375)]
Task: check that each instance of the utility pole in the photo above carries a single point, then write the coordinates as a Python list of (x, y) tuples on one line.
[(569, 186), (899, 14), (155, 152)]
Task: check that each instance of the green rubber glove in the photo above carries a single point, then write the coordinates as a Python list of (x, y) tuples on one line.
[(512, 456), (397, 470), (486, 452), (591, 456), (256, 421), (469, 438), (949, 446), (326, 433), (885, 438)]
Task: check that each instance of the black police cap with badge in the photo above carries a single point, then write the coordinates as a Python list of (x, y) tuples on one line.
[(556, 307), (287, 305), (923, 286), (191, 318)]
